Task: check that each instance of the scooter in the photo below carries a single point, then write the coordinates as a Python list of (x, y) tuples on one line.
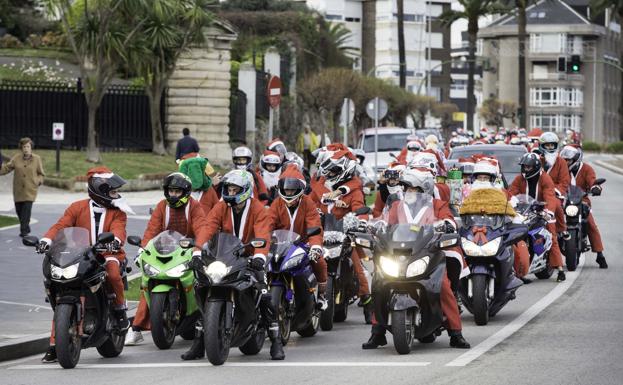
[(293, 286), (168, 281)]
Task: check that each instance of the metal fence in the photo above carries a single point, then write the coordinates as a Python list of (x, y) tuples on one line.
[(30, 108), (238, 117)]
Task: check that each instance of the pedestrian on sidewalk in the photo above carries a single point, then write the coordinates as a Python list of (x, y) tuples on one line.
[(27, 178), (186, 145), (306, 144)]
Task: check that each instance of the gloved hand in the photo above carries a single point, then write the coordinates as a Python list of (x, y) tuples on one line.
[(514, 201), (43, 245), (596, 190), (315, 252), (559, 195), (341, 204), (363, 226), (549, 216), (366, 190), (376, 226), (444, 226), (257, 263), (137, 259), (114, 246)]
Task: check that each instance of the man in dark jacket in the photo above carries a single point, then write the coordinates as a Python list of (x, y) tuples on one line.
[(186, 145)]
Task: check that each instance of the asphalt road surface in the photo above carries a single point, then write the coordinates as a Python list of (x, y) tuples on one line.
[(553, 333)]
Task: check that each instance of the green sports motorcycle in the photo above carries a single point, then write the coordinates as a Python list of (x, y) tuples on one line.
[(167, 282)]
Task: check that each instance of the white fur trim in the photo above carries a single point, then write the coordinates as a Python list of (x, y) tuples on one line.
[(105, 175), (260, 255), (112, 259), (453, 254)]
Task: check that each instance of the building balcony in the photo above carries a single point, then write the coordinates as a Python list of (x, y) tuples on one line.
[(555, 77)]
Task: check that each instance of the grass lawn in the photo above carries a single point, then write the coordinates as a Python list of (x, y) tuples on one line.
[(8, 221), (370, 199), (134, 289), (48, 53), (127, 164)]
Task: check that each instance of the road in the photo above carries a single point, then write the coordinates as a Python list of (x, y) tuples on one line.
[(554, 333)]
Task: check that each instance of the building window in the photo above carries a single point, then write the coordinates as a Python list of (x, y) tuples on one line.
[(407, 17), (333, 17), (548, 42), (556, 122), (556, 96), (352, 19)]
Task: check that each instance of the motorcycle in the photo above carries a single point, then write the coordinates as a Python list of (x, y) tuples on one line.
[(293, 286), (409, 268), (576, 214), (74, 281), (539, 238), (229, 299), (342, 283), (168, 281), (487, 242)]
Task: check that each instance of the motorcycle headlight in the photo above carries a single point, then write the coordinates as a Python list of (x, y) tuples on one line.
[(68, 272), (294, 260), (332, 252), (487, 250), (418, 267), (389, 266), (177, 271), (149, 270), (216, 271), (572, 210)]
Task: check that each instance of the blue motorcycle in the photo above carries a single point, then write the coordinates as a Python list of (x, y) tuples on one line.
[(487, 242), (539, 238), (293, 286)]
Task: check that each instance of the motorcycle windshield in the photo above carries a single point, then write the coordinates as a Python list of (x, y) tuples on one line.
[(575, 195), (492, 221), (524, 203), (68, 245), (411, 222), (167, 242), (281, 241), (223, 246)]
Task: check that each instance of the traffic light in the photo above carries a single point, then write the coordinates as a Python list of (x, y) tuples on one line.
[(575, 64), (562, 64)]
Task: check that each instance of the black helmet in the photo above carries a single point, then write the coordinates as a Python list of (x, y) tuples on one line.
[(179, 181), (100, 183), (530, 165)]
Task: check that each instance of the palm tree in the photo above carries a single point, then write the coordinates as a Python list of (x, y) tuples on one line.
[(616, 6), (169, 28), (472, 11)]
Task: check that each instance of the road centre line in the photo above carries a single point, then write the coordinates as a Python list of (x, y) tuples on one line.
[(518, 322), (227, 364)]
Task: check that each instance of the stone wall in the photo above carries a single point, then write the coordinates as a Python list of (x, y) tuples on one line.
[(199, 94)]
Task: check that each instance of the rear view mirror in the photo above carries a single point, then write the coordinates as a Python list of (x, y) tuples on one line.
[(365, 242), (264, 197), (393, 155), (187, 243), (30, 240), (600, 181), (313, 231), (105, 238), (362, 210), (448, 240), (134, 240), (258, 242)]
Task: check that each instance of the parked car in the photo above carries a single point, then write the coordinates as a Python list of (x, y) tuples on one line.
[(391, 140)]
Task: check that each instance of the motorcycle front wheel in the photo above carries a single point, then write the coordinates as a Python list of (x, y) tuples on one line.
[(326, 317), (162, 328), (572, 251), (480, 299), (280, 305), (401, 331), (113, 346), (216, 340), (68, 341)]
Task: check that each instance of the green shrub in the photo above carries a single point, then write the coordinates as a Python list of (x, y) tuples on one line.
[(616, 147), (10, 41), (591, 146), (33, 41)]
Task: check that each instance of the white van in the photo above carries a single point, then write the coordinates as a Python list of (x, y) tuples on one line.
[(391, 140)]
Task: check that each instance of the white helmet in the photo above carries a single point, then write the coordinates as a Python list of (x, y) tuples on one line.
[(242, 157), (548, 138), (486, 167), (338, 170), (418, 178), (425, 160)]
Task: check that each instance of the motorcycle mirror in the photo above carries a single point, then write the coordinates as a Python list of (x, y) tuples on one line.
[(313, 231), (105, 238), (134, 240), (448, 240), (258, 242), (393, 155), (264, 197), (30, 240), (363, 242), (187, 243), (600, 181), (362, 210)]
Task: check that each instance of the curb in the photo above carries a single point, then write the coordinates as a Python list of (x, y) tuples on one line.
[(609, 167)]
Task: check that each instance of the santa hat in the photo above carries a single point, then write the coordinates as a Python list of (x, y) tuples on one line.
[(100, 172), (268, 152), (337, 147), (274, 142), (291, 171), (535, 133), (344, 153)]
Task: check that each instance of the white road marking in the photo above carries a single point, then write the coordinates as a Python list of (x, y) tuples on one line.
[(26, 304), (230, 364), (518, 322)]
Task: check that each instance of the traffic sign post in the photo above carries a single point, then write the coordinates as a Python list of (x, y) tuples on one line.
[(274, 99), (346, 117), (58, 135), (376, 109)]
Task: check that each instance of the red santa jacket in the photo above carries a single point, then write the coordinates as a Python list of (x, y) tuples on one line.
[(306, 216), (559, 172), (80, 214), (208, 199), (545, 190), (584, 179), (195, 222), (354, 199), (255, 222)]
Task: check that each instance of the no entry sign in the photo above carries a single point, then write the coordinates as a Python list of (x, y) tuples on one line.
[(274, 91)]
